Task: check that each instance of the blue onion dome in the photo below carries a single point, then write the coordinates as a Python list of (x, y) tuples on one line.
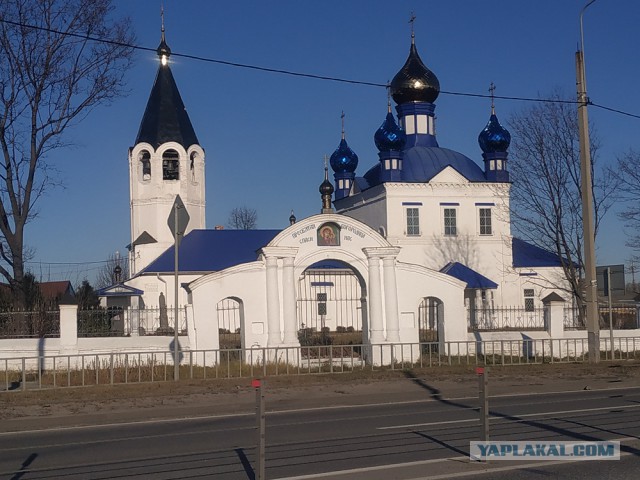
[(414, 82), (344, 160), (389, 136), (494, 137)]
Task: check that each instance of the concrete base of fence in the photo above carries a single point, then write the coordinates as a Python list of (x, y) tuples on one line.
[(384, 354)]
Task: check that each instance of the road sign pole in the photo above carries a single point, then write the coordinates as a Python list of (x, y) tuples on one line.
[(177, 223), (483, 388), (260, 419), (176, 358), (610, 312)]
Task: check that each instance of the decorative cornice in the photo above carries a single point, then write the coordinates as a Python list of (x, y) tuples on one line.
[(279, 252), (381, 252)]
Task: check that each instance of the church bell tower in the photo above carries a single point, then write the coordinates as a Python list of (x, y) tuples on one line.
[(166, 160)]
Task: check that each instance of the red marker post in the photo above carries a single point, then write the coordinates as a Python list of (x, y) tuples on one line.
[(260, 417), (483, 395)]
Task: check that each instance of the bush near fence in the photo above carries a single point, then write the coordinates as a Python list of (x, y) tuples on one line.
[(30, 324)]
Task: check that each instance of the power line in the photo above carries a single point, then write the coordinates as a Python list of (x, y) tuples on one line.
[(300, 74), (615, 110), (66, 263)]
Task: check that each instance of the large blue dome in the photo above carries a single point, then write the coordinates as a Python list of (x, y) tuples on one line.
[(389, 136), (344, 160), (421, 164), (494, 137)]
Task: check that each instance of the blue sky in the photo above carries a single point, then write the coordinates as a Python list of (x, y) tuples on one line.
[(265, 134)]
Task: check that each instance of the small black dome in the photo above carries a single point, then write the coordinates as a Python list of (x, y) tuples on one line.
[(326, 188), (163, 49), (414, 82)]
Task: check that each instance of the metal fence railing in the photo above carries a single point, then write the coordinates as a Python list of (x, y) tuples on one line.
[(624, 316), (101, 322), (136, 367), (505, 319), (30, 324), (97, 322)]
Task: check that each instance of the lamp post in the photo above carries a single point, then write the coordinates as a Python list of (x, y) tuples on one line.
[(593, 326)]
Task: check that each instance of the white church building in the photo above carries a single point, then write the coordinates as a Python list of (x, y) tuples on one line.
[(417, 248)]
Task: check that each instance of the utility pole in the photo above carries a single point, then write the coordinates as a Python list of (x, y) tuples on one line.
[(593, 326)]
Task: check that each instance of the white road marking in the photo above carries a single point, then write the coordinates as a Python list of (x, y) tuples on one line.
[(302, 410), (514, 416)]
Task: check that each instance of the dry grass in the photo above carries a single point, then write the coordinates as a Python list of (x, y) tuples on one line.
[(212, 386)]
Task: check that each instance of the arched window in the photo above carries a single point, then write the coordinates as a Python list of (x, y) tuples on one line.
[(192, 165), (144, 158), (170, 165)]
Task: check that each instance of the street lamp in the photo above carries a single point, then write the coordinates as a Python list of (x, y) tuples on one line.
[(593, 326)]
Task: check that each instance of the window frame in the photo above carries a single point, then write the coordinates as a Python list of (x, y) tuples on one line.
[(413, 213), (485, 226), (529, 296), (450, 213)]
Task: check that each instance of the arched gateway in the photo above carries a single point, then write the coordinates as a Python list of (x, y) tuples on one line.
[(326, 268)]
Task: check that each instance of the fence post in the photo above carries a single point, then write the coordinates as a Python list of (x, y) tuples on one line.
[(554, 315), (111, 368), (68, 327), (24, 374)]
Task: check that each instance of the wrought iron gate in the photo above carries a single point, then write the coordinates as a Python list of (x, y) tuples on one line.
[(229, 312), (430, 312), (330, 298)]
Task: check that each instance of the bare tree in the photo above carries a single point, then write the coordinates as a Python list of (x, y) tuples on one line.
[(628, 175), (114, 270), (546, 206), (243, 218), (86, 296), (51, 76)]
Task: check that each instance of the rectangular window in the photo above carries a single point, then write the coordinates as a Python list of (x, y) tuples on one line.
[(528, 300), (413, 221), (322, 303), (450, 221), (485, 221)]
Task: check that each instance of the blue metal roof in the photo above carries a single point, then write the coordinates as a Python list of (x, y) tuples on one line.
[(468, 275), (213, 250), (528, 255), (420, 164)]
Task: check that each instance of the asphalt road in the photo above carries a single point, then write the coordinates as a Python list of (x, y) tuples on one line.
[(400, 440)]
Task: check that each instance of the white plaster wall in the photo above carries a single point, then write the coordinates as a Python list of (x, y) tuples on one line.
[(490, 255), (369, 207), (245, 283), (152, 285), (414, 284), (152, 200), (12, 351)]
